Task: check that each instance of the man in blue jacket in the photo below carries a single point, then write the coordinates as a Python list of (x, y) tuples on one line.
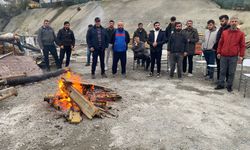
[(120, 40), (156, 40), (97, 40)]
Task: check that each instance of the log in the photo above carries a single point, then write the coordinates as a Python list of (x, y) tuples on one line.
[(36, 78), (87, 107), (74, 117), (5, 55), (14, 76), (6, 93)]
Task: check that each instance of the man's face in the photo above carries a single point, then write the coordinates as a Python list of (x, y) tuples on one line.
[(223, 21), (111, 24), (210, 26), (234, 23), (120, 25), (98, 23), (178, 27), (157, 26), (189, 24), (140, 26), (67, 26), (137, 39), (46, 23), (172, 22)]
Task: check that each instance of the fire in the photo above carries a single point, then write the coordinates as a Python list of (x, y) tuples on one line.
[(62, 100)]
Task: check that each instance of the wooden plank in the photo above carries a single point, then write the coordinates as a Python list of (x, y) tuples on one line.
[(8, 92), (87, 107), (5, 55)]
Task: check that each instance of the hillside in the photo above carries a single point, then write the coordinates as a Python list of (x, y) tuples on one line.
[(130, 11)]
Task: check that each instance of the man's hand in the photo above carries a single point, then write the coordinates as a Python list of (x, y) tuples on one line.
[(155, 44), (72, 48), (241, 60), (185, 53), (218, 56), (92, 49), (188, 40), (62, 47)]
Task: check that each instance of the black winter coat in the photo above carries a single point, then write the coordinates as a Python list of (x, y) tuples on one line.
[(66, 37), (92, 38), (177, 43), (161, 40)]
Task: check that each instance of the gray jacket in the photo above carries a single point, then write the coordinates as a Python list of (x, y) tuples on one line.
[(209, 39), (46, 36), (193, 36)]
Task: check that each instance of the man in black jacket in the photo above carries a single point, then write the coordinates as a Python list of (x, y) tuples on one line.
[(170, 28), (98, 40), (66, 41), (177, 49), (156, 40), (224, 21), (110, 32)]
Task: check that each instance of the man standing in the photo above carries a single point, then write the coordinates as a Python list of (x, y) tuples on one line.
[(156, 40), (192, 38), (177, 49), (170, 28), (231, 46), (88, 50), (224, 21), (120, 40), (46, 41), (97, 39), (207, 47), (66, 41), (110, 31)]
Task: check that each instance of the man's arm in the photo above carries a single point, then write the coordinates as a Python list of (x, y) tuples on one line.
[(220, 45), (39, 38), (195, 38), (127, 37), (73, 39), (88, 38), (242, 45), (59, 38), (163, 39), (106, 38)]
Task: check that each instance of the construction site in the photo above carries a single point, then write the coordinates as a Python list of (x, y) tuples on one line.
[(65, 109)]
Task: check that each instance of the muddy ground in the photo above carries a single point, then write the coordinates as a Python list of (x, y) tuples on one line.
[(153, 114)]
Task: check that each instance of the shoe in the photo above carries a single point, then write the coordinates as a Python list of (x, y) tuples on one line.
[(150, 74), (229, 89), (87, 64), (124, 76), (219, 87), (208, 78), (104, 75), (106, 68), (158, 75), (190, 75), (93, 76), (114, 75)]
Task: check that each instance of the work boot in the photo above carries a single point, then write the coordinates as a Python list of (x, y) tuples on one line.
[(219, 87), (229, 89), (93, 76), (104, 75), (158, 75), (150, 74)]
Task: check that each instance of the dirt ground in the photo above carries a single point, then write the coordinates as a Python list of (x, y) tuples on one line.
[(153, 114)]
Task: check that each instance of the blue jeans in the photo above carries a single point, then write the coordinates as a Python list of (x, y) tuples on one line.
[(88, 55), (210, 59)]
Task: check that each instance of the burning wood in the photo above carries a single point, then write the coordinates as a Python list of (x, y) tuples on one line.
[(75, 96)]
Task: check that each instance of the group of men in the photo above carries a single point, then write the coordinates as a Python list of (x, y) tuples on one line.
[(223, 46), (47, 41)]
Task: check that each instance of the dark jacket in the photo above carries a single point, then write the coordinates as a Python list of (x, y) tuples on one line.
[(140, 50), (92, 38), (127, 38), (219, 33), (142, 34), (169, 30), (193, 36), (66, 37), (232, 43), (46, 36), (177, 43), (110, 32), (160, 41)]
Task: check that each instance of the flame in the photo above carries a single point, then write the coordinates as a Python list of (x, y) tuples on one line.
[(62, 100)]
